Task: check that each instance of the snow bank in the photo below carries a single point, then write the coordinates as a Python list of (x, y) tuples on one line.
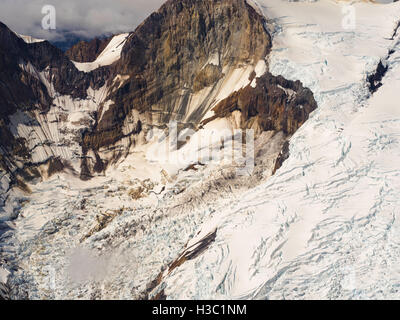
[(29, 39), (110, 54)]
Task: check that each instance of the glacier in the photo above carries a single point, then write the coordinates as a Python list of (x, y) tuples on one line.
[(325, 226)]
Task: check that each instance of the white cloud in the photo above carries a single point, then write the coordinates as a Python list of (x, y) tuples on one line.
[(87, 19)]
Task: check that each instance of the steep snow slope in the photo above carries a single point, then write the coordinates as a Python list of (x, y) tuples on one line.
[(326, 225), (109, 55)]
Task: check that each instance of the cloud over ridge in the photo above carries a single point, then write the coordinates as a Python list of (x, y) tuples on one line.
[(84, 19)]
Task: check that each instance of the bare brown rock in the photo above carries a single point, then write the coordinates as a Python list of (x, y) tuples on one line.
[(87, 51)]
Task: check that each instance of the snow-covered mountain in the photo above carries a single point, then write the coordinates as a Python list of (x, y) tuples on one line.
[(94, 203)]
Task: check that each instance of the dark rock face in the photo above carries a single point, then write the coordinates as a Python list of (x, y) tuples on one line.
[(87, 51), (165, 56), (167, 52), (4, 292), (42, 55), (209, 75), (283, 156), (19, 90), (23, 90)]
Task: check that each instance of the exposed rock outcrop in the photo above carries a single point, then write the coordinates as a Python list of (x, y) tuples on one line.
[(87, 51), (375, 79)]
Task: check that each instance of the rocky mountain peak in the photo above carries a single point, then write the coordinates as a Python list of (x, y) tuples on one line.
[(87, 51), (184, 61)]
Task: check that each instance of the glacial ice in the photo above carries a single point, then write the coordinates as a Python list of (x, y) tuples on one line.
[(325, 225)]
